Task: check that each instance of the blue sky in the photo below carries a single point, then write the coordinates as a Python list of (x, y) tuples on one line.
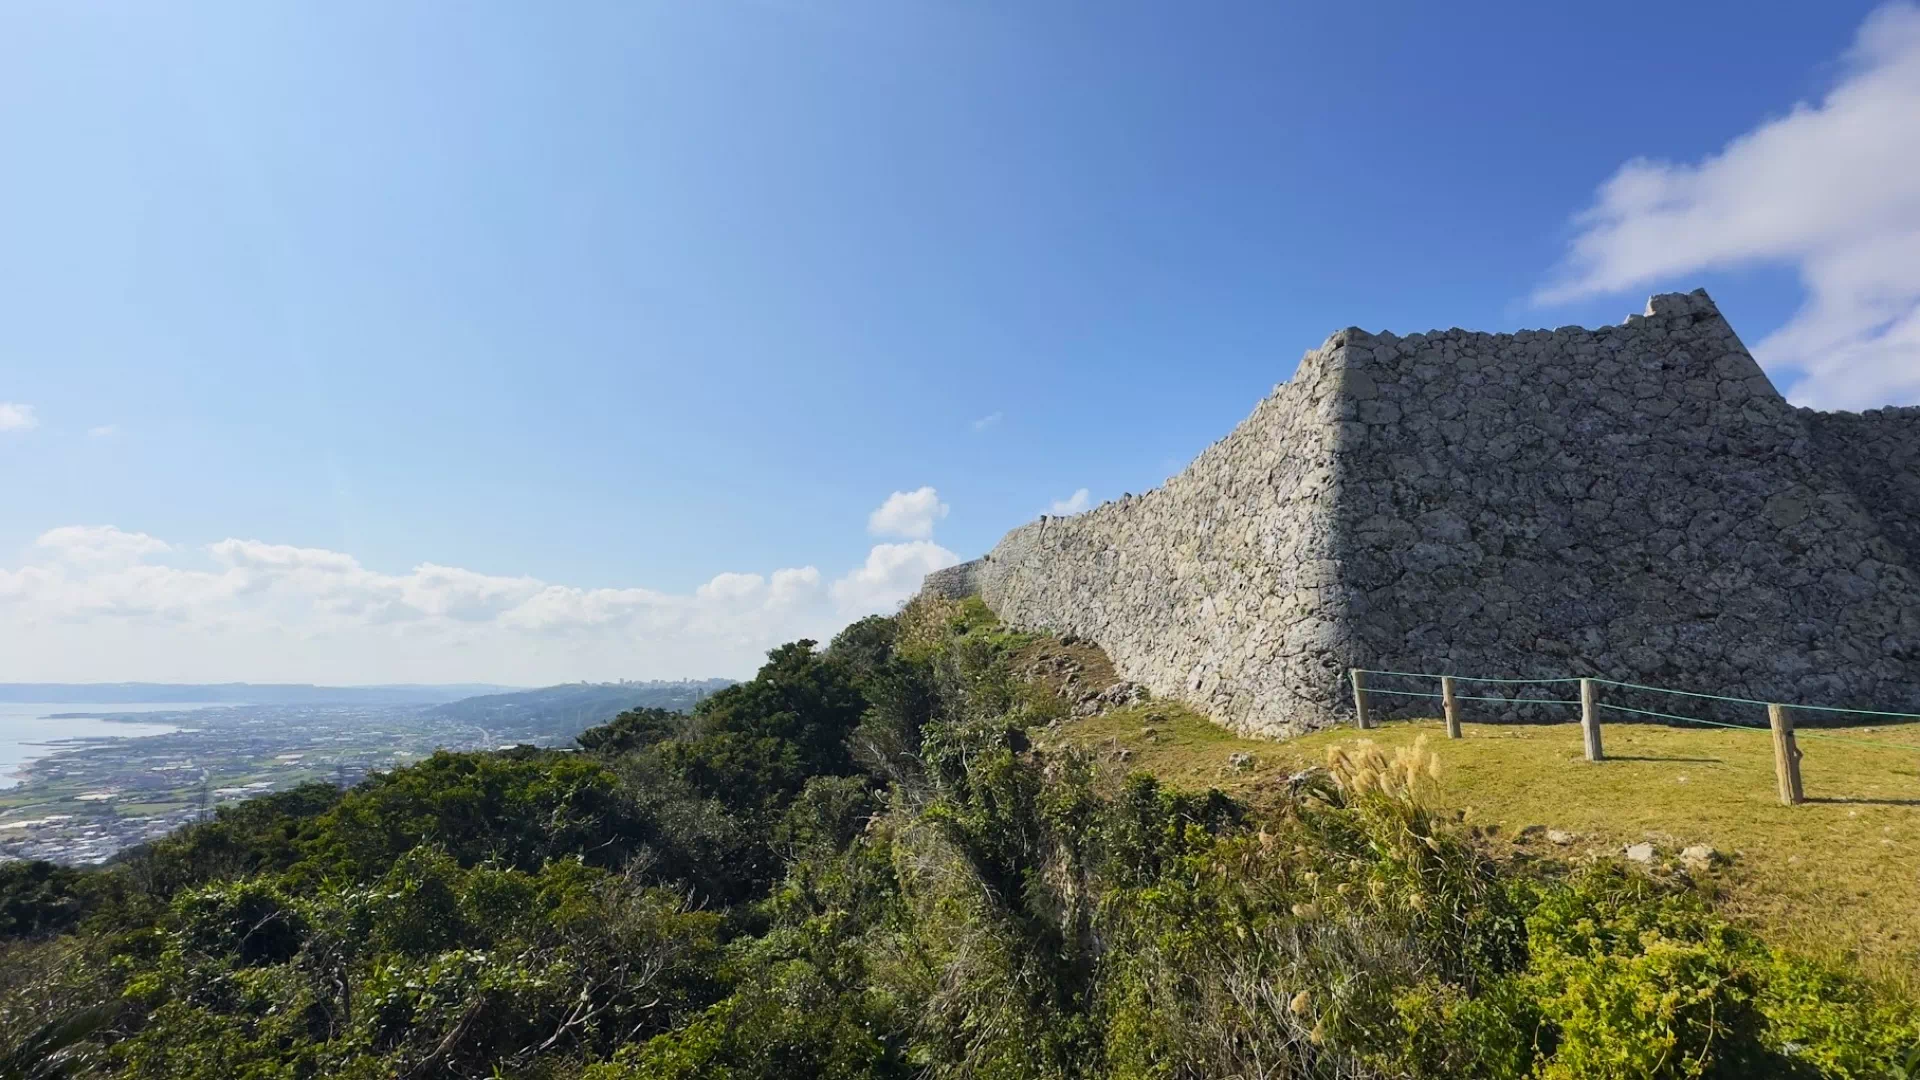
[(440, 315)]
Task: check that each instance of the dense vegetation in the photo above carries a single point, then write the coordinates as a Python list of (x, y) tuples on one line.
[(856, 865)]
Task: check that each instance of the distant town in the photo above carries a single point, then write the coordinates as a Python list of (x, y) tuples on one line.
[(103, 795)]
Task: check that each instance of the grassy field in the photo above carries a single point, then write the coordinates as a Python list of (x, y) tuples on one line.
[(1838, 875)]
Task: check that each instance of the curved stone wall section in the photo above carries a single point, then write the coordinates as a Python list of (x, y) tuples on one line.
[(1635, 501), (1220, 588), (955, 582)]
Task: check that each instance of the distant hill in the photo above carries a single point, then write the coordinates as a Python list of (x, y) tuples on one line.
[(561, 712), (241, 693)]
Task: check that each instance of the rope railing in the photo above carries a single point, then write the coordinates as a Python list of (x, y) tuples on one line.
[(1465, 678), (1465, 697), (1779, 715), (1686, 719), (1763, 704)]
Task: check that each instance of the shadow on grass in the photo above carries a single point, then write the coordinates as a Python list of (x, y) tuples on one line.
[(1693, 760), (1848, 799)]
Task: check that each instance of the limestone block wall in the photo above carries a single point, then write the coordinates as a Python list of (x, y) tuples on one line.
[(1221, 588), (954, 582), (1635, 501), (1877, 454)]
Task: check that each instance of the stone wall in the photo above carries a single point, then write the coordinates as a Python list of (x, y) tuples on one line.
[(1878, 455), (1221, 587), (1636, 502), (954, 582)]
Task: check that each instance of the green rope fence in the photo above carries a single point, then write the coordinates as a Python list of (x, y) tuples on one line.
[(1687, 719), (1862, 742), (1466, 678), (1787, 755)]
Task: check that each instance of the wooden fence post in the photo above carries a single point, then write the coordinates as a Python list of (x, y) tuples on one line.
[(1360, 700), (1590, 720), (1452, 706), (1786, 755)]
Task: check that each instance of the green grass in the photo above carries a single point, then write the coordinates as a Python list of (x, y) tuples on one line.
[(1178, 745), (1837, 876)]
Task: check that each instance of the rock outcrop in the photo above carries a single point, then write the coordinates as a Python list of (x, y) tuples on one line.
[(1636, 502)]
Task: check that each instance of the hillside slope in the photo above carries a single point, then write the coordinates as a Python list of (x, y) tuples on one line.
[(1837, 876), (878, 860)]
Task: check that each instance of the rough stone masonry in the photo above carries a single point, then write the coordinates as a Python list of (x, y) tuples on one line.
[(1635, 502)]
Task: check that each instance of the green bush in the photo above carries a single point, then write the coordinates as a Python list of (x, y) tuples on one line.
[(39, 898)]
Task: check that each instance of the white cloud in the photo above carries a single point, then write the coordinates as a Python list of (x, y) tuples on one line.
[(99, 544), (908, 514), (17, 417), (103, 431), (93, 602), (729, 588), (793, 587), (254, 555), (563, 609), (453, 593), (1072, 504), (1831, 188), (892, 574), (987, 421)]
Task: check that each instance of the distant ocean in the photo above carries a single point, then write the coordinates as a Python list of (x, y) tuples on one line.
[(25, 729)]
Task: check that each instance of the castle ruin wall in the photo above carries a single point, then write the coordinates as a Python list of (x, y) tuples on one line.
[(1635, 502), (1877, 453)]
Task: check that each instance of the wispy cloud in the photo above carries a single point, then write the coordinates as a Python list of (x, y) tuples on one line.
[(250, 609), (17, 417), (99, 544), (103, 431), (1072, 504), (1832, 188), (987, 421)]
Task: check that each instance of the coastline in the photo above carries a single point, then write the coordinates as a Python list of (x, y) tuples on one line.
[(29, 736)]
